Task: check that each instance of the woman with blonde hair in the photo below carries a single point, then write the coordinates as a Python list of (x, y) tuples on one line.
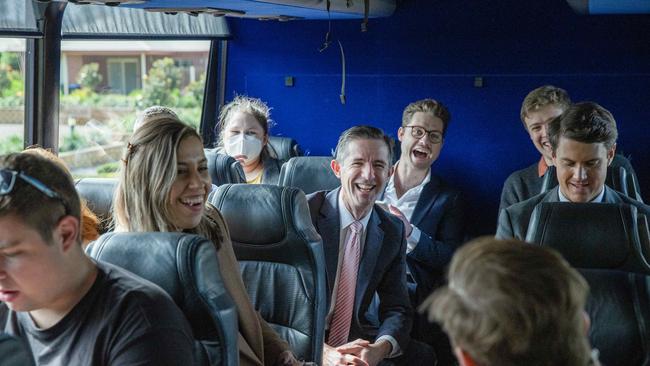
[(163, 186)]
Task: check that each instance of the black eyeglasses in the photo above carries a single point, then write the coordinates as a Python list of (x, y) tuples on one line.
[(8, 181), (419, 132)]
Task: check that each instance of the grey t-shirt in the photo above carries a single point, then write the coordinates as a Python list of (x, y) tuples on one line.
[(122, 320)]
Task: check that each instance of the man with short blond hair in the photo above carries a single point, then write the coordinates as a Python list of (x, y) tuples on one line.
[(509, 303), (538, 109)]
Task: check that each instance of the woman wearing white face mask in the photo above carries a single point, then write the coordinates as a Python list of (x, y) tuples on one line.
[(244, 131)]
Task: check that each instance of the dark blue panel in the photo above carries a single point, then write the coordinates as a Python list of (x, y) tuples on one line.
[(435, 49)]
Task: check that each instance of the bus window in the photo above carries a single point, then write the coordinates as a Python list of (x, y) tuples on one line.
[(12, 94), (106, 84)]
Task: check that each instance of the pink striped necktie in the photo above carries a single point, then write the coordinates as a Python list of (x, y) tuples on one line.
[(342, 317)]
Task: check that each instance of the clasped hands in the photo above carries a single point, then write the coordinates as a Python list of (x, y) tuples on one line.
[(358, 352)]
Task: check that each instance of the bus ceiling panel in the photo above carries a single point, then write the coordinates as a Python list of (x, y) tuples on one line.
[(276, 9), (610, 6), (97, 21), (17, 19)]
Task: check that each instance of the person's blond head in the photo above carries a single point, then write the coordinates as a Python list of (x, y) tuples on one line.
[(541, 97), (510, 303)]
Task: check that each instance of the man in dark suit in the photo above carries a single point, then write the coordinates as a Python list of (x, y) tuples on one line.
[(348, 218), (430, 209), (583, 141)]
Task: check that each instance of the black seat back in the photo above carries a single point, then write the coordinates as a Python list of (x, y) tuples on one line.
[(309, 173), (590, 235), (281, 260), (619, 310), (283, 148), (187, 268), (13, 352), (98, 194), (624, 181), (549, 180), (224, 169)]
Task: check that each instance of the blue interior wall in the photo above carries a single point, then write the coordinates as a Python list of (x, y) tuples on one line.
[(435, 49)]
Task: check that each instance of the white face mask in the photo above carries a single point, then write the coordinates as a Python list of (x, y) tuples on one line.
[(241, 145)]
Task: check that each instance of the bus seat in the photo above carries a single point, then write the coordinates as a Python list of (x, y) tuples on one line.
[(98, 194), (284, 148), (624, 181), (281, 260), (309, 173), (590, 235), (619, 309), (13, 353), (620, 176), (549, 180), (187, 268), (224, 169)]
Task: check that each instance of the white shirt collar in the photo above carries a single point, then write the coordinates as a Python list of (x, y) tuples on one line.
[(346, 217), (390, 187), (597, 199)]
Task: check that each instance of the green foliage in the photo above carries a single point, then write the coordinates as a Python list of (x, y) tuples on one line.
[(161, 84), (5, 82), (12, 101), (89, 76), (192, 95), (108, 168), (11, 143), (191, 116), (73, 141), (11, 59)]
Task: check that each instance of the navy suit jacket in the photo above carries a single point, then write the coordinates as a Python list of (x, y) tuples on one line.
[(381, 270), (513, 221), (439, 216)]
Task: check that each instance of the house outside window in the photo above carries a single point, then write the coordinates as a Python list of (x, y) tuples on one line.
[(123, 75)]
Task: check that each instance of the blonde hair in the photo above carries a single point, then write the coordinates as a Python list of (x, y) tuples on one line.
[(541, 97), (431, 106), (512, 303), (148, 170)]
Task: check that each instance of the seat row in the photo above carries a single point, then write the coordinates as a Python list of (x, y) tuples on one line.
[(283, 270)]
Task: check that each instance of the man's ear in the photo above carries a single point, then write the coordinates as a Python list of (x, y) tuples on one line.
[(67, 232), (336, 168), (464, 359), (400, 134), (391, 171), (587, 322), (610, 154)]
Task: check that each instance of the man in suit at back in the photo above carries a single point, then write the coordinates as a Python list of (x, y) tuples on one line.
[(583, 142), (364, 250), (430, 209)]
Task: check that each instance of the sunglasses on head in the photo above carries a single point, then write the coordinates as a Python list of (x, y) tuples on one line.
[(8, 181)]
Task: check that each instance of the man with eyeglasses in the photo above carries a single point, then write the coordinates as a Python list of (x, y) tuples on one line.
[(66, 308), (430, 209)]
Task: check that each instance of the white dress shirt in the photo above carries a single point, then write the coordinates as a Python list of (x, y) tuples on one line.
[(406, 204), (597, 199)]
